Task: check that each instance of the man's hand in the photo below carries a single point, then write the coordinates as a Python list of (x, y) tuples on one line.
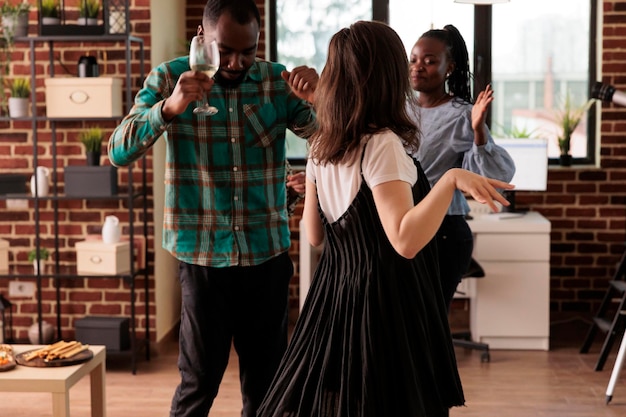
[(297, 182), (303, 81), (191, 86)]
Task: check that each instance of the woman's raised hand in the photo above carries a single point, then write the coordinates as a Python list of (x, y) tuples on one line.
[(482, 189)]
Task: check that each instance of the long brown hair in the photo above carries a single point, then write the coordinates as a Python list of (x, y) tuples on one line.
[(363, 89)]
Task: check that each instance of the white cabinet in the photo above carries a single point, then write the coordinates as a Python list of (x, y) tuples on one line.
[(510, 306)]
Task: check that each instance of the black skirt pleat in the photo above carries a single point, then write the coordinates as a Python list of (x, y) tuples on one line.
[(373, 338)]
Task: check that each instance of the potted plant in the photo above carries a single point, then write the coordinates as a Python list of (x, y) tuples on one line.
[(20, 93), (92, 140), (568, 120), (14, 19), (80, 180), (50, 12), (14, 22), (38, 258), (88, 11)]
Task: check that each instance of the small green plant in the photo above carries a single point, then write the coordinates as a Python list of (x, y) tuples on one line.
[(7, 9), (92, 139), (515, 132), (10, 14), (50, 8), (20, 88), (568, 119), (89, 8), (43, 254)]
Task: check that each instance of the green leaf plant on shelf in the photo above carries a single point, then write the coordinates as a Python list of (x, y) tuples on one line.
[(515, 132), (38, 258), (92, 140), (20, 87), (88, 11), (20, 93), (14, 19), (50, 12), (568, 119)]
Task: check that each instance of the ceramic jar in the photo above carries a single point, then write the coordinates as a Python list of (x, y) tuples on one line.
[(40, 178), (47, 331), (111, 230)]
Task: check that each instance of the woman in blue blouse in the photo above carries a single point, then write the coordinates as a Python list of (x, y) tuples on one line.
[(453, 135)]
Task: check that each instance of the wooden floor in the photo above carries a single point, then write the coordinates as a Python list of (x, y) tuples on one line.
[(558, 383)]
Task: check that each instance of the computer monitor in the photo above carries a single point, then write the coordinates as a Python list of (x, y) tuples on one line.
[(531, 165)]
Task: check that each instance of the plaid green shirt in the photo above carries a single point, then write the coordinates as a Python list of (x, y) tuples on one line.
[(225, 194)]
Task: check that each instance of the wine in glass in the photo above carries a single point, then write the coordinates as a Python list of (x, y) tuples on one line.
[(204, 56)]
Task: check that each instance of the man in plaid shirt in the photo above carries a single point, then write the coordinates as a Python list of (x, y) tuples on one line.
[(225, 217)]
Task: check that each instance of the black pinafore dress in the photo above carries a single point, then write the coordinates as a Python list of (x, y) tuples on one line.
[(373, 338)]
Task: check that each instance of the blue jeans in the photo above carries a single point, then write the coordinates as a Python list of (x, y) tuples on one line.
[(454, 244), (246, 306)]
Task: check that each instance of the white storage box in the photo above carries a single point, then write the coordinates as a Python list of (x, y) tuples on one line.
[(4, 256), (94, 257), (83, 97)]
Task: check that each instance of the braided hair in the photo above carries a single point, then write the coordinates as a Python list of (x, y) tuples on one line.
[(460, 80)]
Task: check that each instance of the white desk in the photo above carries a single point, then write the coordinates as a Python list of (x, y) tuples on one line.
[(510, 306), (59, 380)]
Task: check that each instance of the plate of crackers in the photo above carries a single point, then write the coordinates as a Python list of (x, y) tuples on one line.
[(61, 353)]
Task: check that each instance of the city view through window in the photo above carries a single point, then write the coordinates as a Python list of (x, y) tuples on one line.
[(540, 54)]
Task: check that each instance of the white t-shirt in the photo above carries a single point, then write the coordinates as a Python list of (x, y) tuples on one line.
[(385, 160)]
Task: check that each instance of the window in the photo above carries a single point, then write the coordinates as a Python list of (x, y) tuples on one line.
[(534, 53), (542, 53), (303, 32)]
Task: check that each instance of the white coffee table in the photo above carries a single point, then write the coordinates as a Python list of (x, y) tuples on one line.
[(59, 380)]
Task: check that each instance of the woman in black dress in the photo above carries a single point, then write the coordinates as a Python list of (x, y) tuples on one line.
[(372, 338)]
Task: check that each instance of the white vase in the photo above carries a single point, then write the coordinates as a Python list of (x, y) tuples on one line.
[(39, 266), (18, 107), (111, 231), (41, 177), (50, 20), (88, 21), (47, 332)]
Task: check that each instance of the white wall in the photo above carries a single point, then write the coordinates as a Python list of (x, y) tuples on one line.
[(165, 45)]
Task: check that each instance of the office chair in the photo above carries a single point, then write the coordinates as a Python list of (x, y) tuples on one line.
[(464, 339)]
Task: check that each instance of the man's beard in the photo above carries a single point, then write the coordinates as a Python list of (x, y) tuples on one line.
[(228, 83)]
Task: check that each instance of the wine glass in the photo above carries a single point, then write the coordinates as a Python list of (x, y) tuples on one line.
[(204, 56)]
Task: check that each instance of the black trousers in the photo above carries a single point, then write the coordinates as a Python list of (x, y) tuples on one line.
[(454, 244), (246, 306)]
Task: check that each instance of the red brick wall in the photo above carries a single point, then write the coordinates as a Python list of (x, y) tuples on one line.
[(77, 218), (587, 205)]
